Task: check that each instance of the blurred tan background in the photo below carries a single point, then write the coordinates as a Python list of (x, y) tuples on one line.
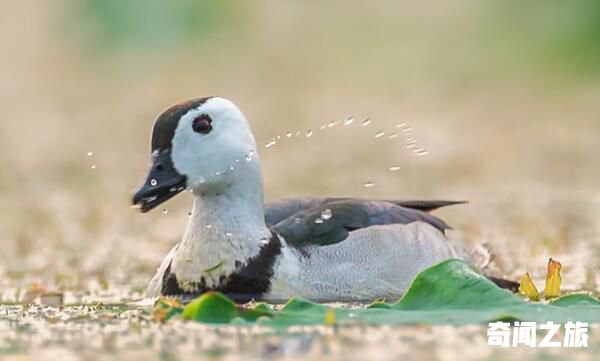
[(504, 96)]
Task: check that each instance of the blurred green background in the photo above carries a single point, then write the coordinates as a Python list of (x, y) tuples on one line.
[(504, 95)]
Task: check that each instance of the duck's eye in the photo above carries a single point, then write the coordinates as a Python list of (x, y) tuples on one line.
[(202, 124)]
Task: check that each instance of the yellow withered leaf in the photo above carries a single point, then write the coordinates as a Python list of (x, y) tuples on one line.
[(553, 279), (165, 308), (528, 289), (330, 318)]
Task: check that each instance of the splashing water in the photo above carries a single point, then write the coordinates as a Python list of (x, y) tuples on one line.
[(366, 122), (326, 214)]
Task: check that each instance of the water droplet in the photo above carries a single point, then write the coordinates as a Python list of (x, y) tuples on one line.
[(392, 136), (208, 226), (237, 160), (153, 182), (89, 154), (217, 173), (297, 220), (394, 168), (270, 143), (349, 121), (366, 122), (165, 211), (297, 133), (249, 156), (369, 184), (288, 134), (332, 124), (93, 166), (322, 126), (326, 214), (229, 234), (201, 180), (410, 146), (231, 167), (407, 130), (318, 220), (401, 125), (278, 137), (411, 140), (379, 134), (172, 189), (309, 133), (421, 152), (264, 241), (189, 214)]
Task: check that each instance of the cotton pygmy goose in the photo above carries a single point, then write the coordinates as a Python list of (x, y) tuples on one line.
[(322, 249)]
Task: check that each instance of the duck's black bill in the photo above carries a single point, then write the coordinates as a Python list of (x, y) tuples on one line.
[(163, 183)]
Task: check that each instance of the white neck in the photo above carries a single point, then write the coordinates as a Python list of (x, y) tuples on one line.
[(224, 231)]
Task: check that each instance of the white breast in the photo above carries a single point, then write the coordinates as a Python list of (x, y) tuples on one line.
[(373, 263)]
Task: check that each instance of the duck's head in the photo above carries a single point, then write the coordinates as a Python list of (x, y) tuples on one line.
[(204, 145)]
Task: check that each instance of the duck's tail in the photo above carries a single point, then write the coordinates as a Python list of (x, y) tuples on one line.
[(512, 286)]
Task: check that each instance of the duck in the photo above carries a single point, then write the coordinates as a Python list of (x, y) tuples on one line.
[(337, 249)]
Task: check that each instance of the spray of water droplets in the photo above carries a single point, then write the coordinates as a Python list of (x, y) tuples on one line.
[(404, 131), (410, 141), (369, 184)]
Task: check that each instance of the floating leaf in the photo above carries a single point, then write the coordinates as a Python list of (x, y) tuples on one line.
[(553, 279), (527, 288), (580, 299), (451, 292), (214, 307), (211, 307), (166, 308)]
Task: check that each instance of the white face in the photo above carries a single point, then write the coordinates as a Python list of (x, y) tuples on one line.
[(217, 159)]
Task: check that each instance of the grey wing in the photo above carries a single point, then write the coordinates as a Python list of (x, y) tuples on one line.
[(331, 222), (277, 211)]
